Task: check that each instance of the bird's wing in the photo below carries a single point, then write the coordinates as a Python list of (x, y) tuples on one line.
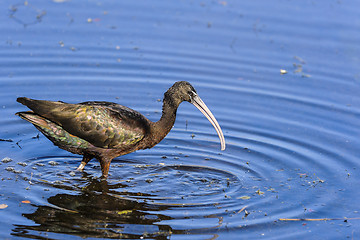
[(103, 124)]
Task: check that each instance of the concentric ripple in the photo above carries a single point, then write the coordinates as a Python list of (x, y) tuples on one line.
[(270, 170), (278, 164)]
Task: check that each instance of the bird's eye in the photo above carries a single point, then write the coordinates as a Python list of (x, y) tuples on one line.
[(192, 93)]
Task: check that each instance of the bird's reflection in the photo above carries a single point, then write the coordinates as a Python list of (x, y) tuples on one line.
[(96, 212)]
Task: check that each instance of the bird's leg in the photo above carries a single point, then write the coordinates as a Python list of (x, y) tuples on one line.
[(84, 161), (105, 165)]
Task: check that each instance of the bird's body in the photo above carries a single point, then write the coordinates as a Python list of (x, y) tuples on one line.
[(105, 130)]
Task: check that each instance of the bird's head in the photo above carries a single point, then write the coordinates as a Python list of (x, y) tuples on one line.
[(183, 91)]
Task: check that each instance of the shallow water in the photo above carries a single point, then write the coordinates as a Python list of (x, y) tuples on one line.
[(292, 139)]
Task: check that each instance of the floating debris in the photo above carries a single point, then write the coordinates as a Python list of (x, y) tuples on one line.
[(6, 160), (17, 143), (320, 180), (53, 163), (11, 169), (241, 210), (283, 71), (22, 164), (36, 137), (243, 197), (259, 192), (3, 206), (5, 140), (299, 67), (246, 213)]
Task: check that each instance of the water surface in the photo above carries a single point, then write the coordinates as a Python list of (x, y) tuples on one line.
[(292, 139)]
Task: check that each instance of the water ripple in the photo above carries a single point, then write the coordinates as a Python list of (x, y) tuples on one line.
[(292, 139)]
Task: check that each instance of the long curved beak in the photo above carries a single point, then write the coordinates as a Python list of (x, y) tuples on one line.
[(199, 104)]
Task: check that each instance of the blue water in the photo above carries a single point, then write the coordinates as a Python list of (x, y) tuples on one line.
[(292, 139)]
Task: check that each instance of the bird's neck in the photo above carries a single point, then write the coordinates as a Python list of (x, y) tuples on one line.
[(162, 127)]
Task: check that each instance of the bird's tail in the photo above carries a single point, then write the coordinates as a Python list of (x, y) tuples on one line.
[(26, 101), (41, 107), (34, 118), (55, 133)]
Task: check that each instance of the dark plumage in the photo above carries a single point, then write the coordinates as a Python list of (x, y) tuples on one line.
[(105, 130)]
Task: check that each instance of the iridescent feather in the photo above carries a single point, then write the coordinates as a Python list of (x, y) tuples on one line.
[(105, 130)]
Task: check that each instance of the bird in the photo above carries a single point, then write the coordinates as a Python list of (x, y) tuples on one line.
[(106, 130)]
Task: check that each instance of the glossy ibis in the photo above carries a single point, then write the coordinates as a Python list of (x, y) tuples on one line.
[(105, 130)]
